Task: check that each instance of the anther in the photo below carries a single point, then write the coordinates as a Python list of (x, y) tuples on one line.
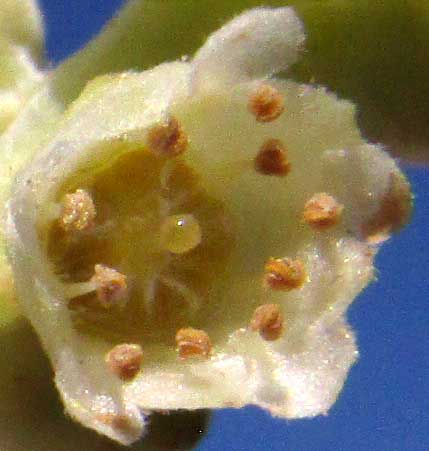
[(393, 213), (125, 360), (78, 212), (322, 211), (268, 321), (284, 274), (266, 103), (180, 233), (193, 343), (272, 159), (110, 285), (167, 139)]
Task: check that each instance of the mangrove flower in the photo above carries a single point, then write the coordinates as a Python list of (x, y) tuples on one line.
[(192, 235)]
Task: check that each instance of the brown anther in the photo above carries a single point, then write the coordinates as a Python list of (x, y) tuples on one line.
[(125, 360), (268, 321), (266, 103), (119, 422), (394, 211), (272, 158), (78, 211), (167, 139), (322, 211), (284, 274), (111, 285), (193, 343)]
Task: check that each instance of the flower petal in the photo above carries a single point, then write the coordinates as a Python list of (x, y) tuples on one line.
[(256, 44)]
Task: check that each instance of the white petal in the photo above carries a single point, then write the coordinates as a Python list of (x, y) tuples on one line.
[(363, 177), (256, 44), (313, 379)]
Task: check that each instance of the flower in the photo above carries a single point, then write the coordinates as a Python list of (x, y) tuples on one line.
[(202, 191), (191, 236)]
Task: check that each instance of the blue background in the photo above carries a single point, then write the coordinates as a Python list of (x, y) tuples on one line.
[(385, 403)]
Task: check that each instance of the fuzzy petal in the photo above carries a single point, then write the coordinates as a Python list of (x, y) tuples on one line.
[(258, 43)]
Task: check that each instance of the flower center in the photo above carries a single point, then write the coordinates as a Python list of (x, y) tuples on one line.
[(156, 240)]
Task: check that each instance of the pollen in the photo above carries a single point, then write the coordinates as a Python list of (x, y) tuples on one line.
[(125, 360), (111, 285), (393, 213), (272, 159), (78, 212), (266, 103), (180, 233), (193, 343), (322, 211), (168, 139), (268, 321), (284, 274)]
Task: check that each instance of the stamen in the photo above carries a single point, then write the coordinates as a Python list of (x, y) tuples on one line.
[(268, 321), (193, 343), (322, 211), (266, 103), (394, 211), (125, 360), (272, 159), (75, 290), (188, 295), (78, 212), (111, 285), (180, 233), (168, 139), (284, 274)]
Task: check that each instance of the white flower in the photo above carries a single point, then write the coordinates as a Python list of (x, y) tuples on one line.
[(193, 235)]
